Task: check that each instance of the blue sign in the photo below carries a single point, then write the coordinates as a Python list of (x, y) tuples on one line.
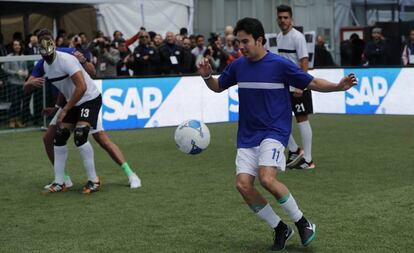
[(233, 103), (130, 103), (373, 86)]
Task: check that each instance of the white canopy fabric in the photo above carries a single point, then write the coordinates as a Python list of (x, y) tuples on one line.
[(159, 16), (128, 16)]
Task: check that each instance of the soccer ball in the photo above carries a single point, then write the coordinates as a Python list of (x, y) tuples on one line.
[(192, 137)]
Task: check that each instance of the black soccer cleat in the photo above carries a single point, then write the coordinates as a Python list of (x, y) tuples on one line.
[(307, 231), (304, 165), (91, 187), (282, 234), (293, 158)]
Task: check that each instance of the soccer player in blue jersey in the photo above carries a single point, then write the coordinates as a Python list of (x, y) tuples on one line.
[(265, 121)]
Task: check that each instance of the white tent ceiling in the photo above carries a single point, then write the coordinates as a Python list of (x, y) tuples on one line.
[(128, 16)]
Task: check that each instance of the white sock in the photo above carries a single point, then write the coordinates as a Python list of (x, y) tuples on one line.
[(86, 152), (291, 208), (61, 154), (292, 146), (267, 214), (306, 134)]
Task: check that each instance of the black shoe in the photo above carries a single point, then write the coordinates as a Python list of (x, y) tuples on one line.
[(293, 158), (92, 187), (304, 165), (307, 231), (282, 234)]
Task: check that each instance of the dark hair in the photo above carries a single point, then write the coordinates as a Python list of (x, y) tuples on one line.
[(44, 33), (116, 31), (17, 36), (183, 31), (251, 26), (284, 8), (152, 34), (21, 46), (199, 36), (354, 36)]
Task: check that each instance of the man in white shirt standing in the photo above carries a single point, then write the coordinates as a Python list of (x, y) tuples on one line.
[(80, 114), (292, 45)]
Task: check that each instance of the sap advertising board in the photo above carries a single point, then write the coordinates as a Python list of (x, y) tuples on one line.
[(167, 101)]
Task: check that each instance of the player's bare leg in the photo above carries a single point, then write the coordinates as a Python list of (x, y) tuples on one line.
[(259, 205), (48, 142), (268, 179), (116, 154)]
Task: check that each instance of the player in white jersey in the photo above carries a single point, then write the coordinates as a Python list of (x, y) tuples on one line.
[(292, 45), (265, 121), (80, 114), (36, 79)]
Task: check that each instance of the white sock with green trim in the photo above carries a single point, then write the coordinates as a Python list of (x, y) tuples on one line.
[(288, 204), (267, 214)]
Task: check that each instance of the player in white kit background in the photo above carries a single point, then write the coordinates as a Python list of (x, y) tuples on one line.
[(264, 127), (80, 114), (292, 45), (36, 79)]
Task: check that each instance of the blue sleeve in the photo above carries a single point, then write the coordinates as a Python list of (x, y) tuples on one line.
[(68, 50), (295, 76), (228, 77), (38, 70)]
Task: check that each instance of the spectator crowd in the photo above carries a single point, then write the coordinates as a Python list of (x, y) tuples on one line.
[(155, 54)]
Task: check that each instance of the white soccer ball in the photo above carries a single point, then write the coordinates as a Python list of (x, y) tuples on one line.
[(192, 137)]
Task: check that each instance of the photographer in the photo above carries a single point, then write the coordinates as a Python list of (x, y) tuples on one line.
[(106, 57), (75, 41)]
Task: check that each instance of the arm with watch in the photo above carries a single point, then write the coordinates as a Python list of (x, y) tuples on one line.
[(205, 70)]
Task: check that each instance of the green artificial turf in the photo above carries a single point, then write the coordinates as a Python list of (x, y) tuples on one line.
[(361, 194)]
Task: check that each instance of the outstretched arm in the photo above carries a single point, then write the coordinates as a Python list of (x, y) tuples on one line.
[(205, 70), (322, 85)]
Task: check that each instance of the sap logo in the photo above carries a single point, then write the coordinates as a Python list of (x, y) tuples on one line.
[(370, 91), (131, 103), (373, 86)]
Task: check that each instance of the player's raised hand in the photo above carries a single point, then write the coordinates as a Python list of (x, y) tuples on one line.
[(81, 58), (38, 81), (347, 82), (204, 68)]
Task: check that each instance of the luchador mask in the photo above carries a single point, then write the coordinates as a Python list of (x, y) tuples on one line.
[(47, 49)]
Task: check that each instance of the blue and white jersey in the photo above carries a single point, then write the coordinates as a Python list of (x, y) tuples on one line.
[(264, 100), (38, 70)]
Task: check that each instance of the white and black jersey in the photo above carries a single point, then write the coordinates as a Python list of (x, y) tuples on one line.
[(59, 74), (292, 46)]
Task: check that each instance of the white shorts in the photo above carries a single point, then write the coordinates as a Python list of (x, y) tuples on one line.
[(99, 126), (270, 152)]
